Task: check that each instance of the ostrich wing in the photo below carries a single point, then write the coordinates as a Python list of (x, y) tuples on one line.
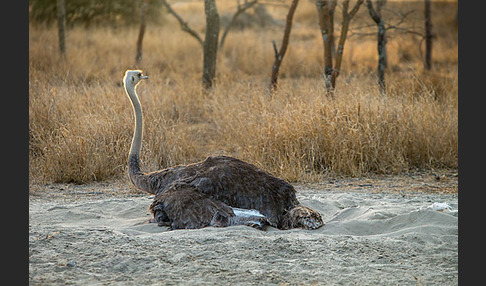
[(183, 206), (242, 185)]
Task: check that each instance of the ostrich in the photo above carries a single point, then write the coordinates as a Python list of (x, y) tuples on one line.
[(219, 191)]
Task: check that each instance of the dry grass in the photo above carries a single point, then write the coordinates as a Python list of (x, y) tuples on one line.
[(81, 121)]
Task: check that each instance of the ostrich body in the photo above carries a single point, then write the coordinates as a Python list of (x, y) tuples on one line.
[(219, 191)]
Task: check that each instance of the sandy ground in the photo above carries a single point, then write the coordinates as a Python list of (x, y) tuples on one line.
[(379, 231)]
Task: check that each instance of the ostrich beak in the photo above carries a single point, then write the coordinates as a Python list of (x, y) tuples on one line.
[(144, 77)]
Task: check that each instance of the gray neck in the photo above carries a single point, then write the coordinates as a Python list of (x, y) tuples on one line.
[(137, 109), (136, 176)]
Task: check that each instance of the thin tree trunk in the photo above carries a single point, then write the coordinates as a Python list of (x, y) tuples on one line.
[(342, 39), (210, 45), (280, 54), (428, 36), (61, 24), (325, 12), (382, 56), (141, 32)]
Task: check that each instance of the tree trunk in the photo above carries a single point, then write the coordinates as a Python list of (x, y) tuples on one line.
[(325, 12), (210, 45), (428, 36), (61, 24), (141, 32), (280, 54), (382, 56), (342, 39)]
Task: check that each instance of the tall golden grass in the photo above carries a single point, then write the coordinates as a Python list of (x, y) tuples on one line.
[(81, 121)]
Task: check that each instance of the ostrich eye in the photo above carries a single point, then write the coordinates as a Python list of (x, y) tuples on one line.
[(139, 74)]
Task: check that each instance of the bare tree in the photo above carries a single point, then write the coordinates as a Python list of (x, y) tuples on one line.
[(428, 36), (382, 56), (325, 13), (61, 24), (141, 32), (210, 45), (347, 16), (280, 54)]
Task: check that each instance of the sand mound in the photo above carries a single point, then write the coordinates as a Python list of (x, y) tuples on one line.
[(369, 239)]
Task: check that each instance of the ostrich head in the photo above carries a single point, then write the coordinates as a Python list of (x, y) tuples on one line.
[(133, 77), (304, 217)]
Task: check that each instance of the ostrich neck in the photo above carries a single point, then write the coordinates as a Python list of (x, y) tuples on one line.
[(138, 132), (139, 179)]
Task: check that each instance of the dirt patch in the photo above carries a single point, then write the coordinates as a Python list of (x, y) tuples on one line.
[(380, 230)]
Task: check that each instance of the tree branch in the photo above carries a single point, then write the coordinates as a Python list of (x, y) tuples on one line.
[(362, 31), (280, 54), (405, 30), (342, 39), (184, 26), (240, 9), (355, 8), (275, 50), (382, 54), (374, 15)]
